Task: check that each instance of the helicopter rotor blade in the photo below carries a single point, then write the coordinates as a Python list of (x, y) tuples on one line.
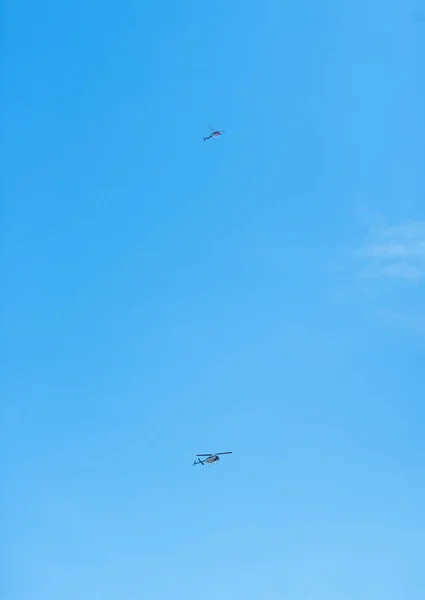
[(204, 455)]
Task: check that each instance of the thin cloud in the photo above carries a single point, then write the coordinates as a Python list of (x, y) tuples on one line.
[(385, 275), (418, 16), (393, 252), (410, 321)]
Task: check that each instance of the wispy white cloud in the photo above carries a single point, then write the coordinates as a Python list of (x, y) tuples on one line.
[(394, 252), (418, 16), (408, 320), (384, 277)]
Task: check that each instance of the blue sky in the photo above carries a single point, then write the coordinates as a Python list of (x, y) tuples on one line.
[(261, 293)]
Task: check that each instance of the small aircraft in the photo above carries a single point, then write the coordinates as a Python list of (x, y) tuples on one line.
[(215, 133), (209, 458)]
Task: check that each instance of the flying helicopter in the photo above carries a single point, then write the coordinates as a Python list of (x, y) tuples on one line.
[(209, 458), (215, 133)]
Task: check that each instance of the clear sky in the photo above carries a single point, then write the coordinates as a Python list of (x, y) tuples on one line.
[(262, 293)]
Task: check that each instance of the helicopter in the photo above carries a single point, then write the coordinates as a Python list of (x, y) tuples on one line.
[(215, 133), (209, 458)]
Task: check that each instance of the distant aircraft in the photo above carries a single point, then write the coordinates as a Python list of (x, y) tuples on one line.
[(210, 458), (215, 133)]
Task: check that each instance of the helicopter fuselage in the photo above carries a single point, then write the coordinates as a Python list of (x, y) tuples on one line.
[(201, 459), (213, 135)]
